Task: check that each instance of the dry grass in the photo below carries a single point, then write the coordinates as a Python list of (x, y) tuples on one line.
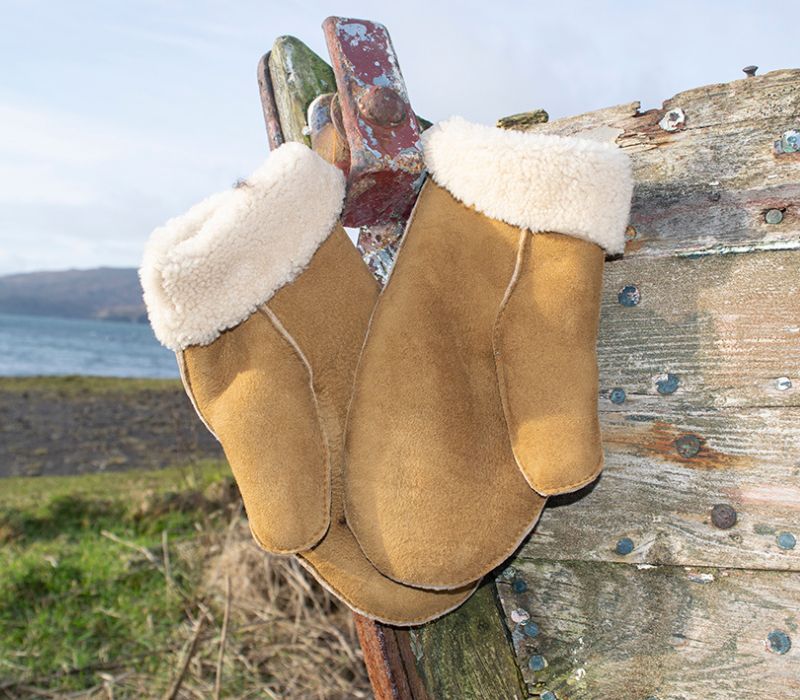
[(252, 625)]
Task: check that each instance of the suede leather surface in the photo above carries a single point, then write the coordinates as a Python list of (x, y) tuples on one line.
[(330, 328), (253, 390), (545, 350), (433, 491), (283, 433)]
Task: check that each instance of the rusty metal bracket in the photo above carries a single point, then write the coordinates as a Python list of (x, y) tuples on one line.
[(386, 166)]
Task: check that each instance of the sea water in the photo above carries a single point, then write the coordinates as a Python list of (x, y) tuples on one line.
[(32, 345)]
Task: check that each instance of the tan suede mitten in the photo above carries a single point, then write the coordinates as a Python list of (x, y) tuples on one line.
[(266, 303), (479, 364)]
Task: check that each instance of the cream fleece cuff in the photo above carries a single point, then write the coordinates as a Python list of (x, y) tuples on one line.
[(209, 269), (540, 182)]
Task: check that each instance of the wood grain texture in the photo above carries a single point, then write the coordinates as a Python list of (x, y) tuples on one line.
[(466, 654), (707, 186), (727, 325), (609, 630)]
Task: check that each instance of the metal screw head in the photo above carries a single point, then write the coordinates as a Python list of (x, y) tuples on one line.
[(723, 516), (624, 546), (519, 586), (783, 383), (673, 119), (520, 615), (750, 71), (789, 142), (382, 105), (617, 395), (629, 295), (548, 695), (537, 662), (667, 383), (530, 629), (509, 573), (779, 642), (786, 540), (773, 216), (688, 446)]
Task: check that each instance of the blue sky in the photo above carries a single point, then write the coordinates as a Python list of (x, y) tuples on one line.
[(116, 115)]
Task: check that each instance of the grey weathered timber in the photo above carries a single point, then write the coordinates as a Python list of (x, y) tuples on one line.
[(606, 631), (676, 576), (707, 186)]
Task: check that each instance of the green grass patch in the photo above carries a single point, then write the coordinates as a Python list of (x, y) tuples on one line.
[(72, 385), (77, 588)]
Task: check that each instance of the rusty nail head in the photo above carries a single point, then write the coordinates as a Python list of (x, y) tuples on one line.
[(750, 71), (630, 233), (723, 516), (382, 106), (773, 216), (688, 446)]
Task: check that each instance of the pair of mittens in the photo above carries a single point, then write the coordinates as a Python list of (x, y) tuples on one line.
[(266, 304), (402, 444), (476, 393)]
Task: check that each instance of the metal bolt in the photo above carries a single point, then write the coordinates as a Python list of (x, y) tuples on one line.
[(509, 573), (783, 383), (786, 540), (688, 446), (531, 629), (519, 586), (519, 615), (789, 142), (624, 546), (382, 105), (723, 516), (667, 384), (617, 395), (773, 216), (537, 662), (750, 71), (673, 120), (629, 295), (779, 642)]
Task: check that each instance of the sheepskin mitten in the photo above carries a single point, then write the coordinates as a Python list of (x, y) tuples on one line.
[(266, 303), (480, 364)]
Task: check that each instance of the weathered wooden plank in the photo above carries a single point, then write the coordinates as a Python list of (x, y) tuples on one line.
[(658, 495), (728, 327), (466, 655), (708, 185), (605, 630), (268, 106), (298, 77)]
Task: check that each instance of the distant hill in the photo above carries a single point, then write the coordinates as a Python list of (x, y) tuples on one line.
[(106, 293)]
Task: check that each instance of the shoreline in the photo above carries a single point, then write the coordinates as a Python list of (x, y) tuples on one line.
[(78, 424)]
